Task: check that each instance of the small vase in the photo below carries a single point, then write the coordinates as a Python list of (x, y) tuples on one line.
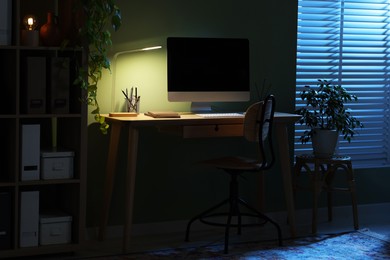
[(50, 32)]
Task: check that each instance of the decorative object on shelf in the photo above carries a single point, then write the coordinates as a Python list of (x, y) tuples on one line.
[(50, 33), (132, 101), (97, 38), (30, 36), (325, 114), (30, 22)]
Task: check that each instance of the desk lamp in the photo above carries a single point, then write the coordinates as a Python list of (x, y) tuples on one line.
[(114, 72)]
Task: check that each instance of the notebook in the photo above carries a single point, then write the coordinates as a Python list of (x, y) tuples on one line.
[(163, 114)]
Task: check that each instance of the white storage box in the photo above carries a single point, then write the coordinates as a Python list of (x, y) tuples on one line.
[(56, 164), (55, 229)]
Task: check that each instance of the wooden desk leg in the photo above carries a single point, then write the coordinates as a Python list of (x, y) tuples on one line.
[(115, 130), (130, 184), (282, 136)]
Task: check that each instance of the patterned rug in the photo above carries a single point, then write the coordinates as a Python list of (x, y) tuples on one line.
[(353, 245)]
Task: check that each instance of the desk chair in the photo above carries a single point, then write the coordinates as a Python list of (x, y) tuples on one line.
[(321, 172), (257, 128)]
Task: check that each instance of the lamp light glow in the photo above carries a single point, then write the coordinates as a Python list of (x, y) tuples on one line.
[(114, 68), (137, 50), (30, 22), (151, 48)]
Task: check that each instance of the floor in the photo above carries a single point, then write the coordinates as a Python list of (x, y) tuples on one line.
[(372, 217)]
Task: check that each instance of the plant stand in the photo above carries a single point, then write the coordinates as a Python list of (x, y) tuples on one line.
[(322, 172)]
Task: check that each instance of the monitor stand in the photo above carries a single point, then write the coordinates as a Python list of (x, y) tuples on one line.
[(201, 107)]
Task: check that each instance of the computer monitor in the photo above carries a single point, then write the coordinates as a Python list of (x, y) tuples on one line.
[(207, 70)]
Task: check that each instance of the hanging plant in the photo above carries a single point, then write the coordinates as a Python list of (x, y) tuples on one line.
[(99, 15)]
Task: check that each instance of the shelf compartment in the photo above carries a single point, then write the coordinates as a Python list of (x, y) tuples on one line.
[(53, 92), (7, 217), (59, 197), (8, 155), (8, 75), (63, 133)]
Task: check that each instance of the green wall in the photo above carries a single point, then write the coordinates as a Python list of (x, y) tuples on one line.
[(170, 184)]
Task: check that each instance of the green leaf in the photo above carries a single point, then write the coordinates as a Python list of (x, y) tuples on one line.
[(96, 111), (325, 109), (100, 14)]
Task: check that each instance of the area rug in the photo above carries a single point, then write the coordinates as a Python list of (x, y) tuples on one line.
[(356, 245)]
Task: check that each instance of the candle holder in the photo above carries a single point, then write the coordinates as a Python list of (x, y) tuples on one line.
[(30, 36)]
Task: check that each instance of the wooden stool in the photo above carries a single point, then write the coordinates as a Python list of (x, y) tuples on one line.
[(321, 172)]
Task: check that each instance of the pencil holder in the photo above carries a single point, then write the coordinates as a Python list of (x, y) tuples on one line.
[(133, 104)]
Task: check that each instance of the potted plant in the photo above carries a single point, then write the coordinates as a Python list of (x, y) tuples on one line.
[(99, 16), (327, 117)]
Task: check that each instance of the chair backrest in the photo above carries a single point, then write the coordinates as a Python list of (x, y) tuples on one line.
[(258, 128)]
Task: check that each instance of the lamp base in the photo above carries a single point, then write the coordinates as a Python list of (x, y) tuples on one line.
[(30, 38)]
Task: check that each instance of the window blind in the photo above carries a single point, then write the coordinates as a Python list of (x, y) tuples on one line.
[(348, 42)]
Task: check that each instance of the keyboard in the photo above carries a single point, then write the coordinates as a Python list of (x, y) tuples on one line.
[(216, 115)]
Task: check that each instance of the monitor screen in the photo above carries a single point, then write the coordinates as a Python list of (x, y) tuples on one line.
[(208, 69)]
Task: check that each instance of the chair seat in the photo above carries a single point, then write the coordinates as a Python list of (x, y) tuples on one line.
[(235, 163)]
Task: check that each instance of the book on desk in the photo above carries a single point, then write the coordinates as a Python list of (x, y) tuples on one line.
[(163, 114)]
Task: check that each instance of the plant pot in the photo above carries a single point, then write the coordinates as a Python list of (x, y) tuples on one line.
[(324, 142)]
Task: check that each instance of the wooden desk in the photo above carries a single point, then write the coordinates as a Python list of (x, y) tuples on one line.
[(189, 125)]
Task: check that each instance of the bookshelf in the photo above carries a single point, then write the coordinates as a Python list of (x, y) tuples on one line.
[(62, 123)]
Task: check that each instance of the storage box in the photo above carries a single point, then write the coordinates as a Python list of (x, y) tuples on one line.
[(30, 163), (56, 164), (34, 85), (59, 85), (29, 219), (55, 228)]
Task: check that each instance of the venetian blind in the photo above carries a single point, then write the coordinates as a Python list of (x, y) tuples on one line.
[(348, 42)]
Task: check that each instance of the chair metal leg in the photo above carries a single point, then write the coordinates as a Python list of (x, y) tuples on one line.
[(268, 219), (204, 213), (234, 200), (234, 210), (228, 223)]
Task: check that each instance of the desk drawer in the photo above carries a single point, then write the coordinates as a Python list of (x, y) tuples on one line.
[(212, 131), (203, 131)]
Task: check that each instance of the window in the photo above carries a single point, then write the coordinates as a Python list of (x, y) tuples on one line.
[(348, 42)]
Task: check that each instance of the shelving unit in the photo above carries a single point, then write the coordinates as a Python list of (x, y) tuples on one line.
[(67, 195)]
